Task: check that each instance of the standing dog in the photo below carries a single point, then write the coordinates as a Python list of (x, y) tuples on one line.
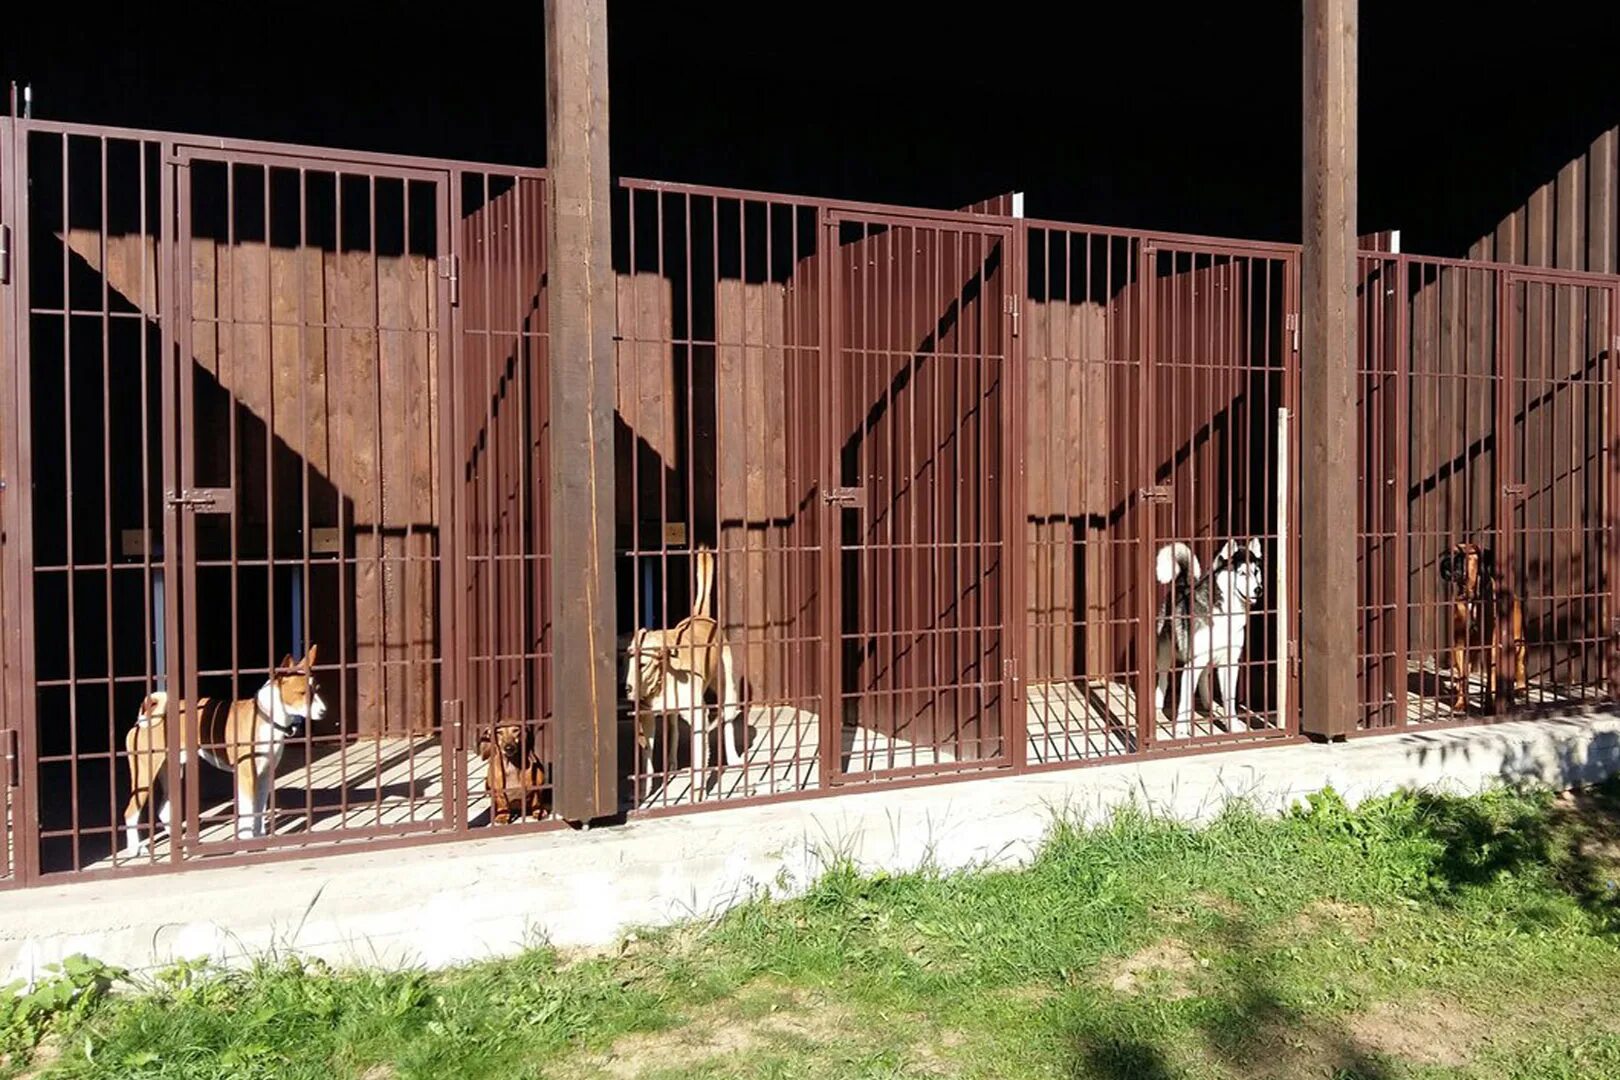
[(1482, 606), (245, 737), (1204, 622), (670, 671), (515, 775)]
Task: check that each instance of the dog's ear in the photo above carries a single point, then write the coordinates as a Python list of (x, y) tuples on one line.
[(286, 663), (309, 659), (1487, 563), (1255, 549), (486, 746), (1446, 566)]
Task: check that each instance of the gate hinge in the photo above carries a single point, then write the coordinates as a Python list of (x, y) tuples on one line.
[(1291, 321), (12, 755), (450, 270), (5, 254), (1013, 312), (1009, 670)]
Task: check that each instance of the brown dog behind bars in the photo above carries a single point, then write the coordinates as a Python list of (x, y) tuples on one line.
[(515, 775), (1483, 607)]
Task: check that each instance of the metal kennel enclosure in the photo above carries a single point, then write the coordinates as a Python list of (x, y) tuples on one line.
[(260, 397)]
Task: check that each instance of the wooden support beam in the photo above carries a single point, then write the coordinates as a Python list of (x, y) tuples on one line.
[(580, 293), (1328, 700)]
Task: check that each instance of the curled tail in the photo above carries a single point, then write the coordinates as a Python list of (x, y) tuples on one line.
[(703, 594), (1174, 561)]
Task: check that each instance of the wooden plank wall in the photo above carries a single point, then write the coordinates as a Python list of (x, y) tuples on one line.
[(1570, 221), (920, 432), (329, 361), (728, 449), (504, 455)]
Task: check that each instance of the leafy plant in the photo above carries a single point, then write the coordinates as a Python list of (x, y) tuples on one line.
[(67, 993)]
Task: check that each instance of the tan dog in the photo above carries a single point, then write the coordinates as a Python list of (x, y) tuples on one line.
[(245, 737), (671, 671), (1482, 607), (515, 774)]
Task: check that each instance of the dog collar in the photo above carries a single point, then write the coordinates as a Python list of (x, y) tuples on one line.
[(283, 728)]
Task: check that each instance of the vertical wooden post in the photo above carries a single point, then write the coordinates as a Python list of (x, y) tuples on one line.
[(580, 293), (1327, 425)]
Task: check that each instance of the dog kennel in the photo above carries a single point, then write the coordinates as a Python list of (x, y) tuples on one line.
[(1487, 417), (262, 397)]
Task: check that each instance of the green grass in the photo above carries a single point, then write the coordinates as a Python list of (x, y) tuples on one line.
[(1417, 937)]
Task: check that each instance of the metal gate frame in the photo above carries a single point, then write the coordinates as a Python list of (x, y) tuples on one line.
[(184, 501), (20, 811), (1287, 604), (1013, 724), (16, 784)]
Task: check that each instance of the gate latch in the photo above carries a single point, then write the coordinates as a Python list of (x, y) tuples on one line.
[(1158, 494), (202, 500), (1513, 491), (845, 496)]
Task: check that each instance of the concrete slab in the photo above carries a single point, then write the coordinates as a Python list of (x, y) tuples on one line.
[(450, 903)]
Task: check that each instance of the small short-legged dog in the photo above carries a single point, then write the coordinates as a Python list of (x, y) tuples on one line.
[(670, 671), (515, 775), (1203, 623), (245, 737), (1483, 607)]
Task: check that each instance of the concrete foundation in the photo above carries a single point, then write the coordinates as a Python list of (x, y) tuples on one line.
[(448, 903)]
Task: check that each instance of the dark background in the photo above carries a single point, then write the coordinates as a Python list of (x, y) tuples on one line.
[(1172, 116)]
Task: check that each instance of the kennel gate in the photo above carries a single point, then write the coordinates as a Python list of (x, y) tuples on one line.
[(1486, 414), (261, 397)]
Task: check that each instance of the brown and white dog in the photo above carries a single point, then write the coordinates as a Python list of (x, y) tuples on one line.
[(515, 775), (671, 671), (1483, 608), (245, 737)]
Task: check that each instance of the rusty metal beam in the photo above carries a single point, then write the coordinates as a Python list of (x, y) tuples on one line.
[(580, 292), (1328, 372)]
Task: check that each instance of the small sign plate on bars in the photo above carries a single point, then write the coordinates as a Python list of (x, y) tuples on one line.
[(323, 541), (132, 543), (675, 532)]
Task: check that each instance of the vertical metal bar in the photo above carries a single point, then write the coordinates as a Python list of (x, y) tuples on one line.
[(338, 375), (1608, 630), (108, 556), (70, 557), (831, 746), (1145, 320), (1015, 538), (26, 843), (1506, 471), (181, 554), (1400, 602), (379, 502), (490, 562), (304, 542), (452, 510)]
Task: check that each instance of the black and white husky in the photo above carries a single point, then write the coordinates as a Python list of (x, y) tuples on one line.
[(1203, 623)]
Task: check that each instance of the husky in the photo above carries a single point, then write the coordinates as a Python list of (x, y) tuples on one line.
[(1203, 623)]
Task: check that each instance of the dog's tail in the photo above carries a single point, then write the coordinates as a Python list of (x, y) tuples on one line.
[(1175, 560), (703, 594)]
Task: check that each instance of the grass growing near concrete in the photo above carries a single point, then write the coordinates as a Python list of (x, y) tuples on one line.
[(1416, 937)]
